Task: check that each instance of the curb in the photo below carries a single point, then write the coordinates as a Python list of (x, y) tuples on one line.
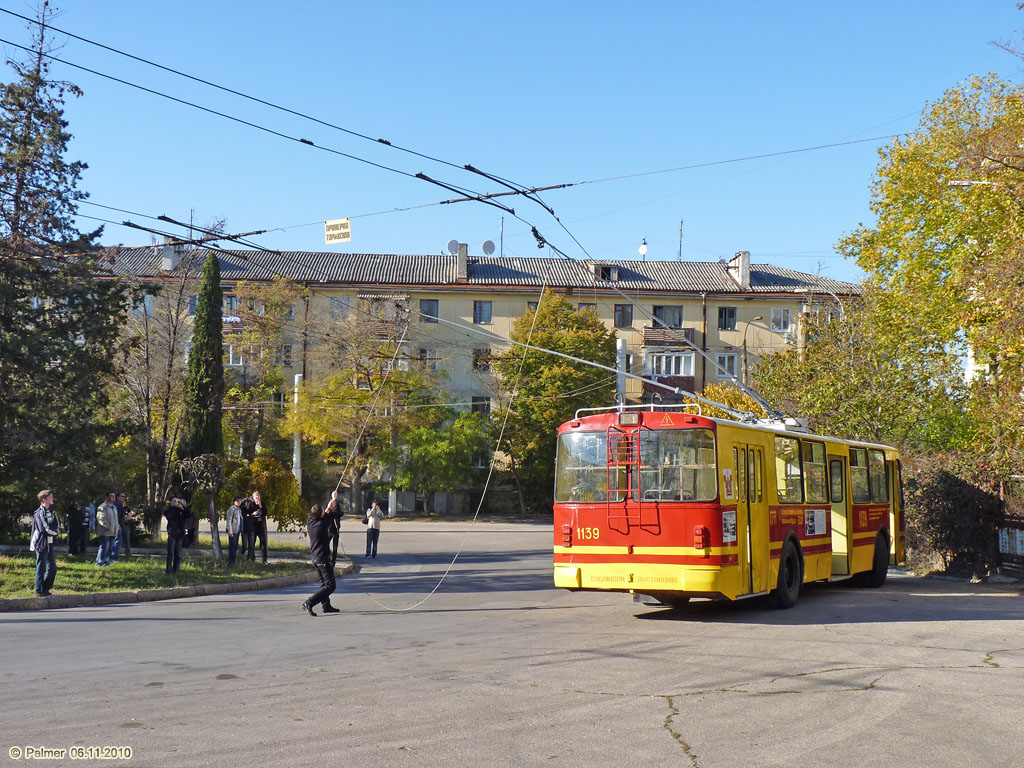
[(167, 593)]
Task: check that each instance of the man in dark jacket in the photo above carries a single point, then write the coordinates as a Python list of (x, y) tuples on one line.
[(317, 527), (77, 526), (176, 513), (254, 516), (45, 530)]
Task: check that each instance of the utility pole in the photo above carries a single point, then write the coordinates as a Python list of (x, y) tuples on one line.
[(297, 441)]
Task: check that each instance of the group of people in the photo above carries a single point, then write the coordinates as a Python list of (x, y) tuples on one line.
[(111, 522), (245, 520), (323, 527)]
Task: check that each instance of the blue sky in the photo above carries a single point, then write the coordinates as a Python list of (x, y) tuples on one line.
[(536, 92)]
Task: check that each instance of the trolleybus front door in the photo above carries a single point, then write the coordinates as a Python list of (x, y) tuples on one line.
[(840, 515)]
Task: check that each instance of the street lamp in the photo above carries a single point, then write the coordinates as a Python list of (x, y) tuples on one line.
[(745, 329)]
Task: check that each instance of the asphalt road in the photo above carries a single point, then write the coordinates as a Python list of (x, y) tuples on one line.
[(497, 668)]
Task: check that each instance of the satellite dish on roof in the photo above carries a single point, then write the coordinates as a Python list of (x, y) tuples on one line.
[(488, 247), (453, 247)]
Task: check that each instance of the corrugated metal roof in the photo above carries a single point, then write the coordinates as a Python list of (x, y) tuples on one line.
[(382, 270)]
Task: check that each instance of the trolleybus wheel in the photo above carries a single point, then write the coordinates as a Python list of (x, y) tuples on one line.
[(790, 577), (880, 564)]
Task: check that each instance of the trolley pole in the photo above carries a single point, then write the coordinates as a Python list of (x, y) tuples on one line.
[(620, 366)]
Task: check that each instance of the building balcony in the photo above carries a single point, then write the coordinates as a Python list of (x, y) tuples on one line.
[(683, 382), (660, 336)]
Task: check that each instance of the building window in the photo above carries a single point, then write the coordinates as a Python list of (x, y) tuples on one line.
[(727, 318), (585, 305), (291, 311), (233, 357), (231, 303), (481, 404), (481, 312), (482, 359), (340, 307), (780, 320), (193, 302), (139, 309), (629, 362), (430, 359), (727, 365), (607, 272), (284, 356), (531, 305), (428, 310), (623, 315), (668, 316), (671, 364)]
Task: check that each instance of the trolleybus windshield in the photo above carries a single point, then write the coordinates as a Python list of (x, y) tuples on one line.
[(675, 465)]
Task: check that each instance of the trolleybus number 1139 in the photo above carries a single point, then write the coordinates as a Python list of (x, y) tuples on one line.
[(588, 533)]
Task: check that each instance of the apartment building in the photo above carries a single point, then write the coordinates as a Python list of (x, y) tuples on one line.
[(454, 309)]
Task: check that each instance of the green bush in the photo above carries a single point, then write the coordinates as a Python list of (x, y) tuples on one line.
[(953, 514)]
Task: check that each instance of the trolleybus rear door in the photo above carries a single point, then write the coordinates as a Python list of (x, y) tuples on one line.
[(840, 515)]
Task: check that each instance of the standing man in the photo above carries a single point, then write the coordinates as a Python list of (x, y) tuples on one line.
[(45, 530), (77, 534), (255, 511), (107, 528), (233, 524), (373, 516), (123, 540), (334, 515), (175, 514), (319, 547)]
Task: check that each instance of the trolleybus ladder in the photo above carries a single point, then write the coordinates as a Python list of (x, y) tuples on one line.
[(625, 497)]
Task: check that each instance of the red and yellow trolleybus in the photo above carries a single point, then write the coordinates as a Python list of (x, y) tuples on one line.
[(668, 504)]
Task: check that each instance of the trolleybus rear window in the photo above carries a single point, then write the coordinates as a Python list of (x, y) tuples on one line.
[(675, 465), (678, 465)]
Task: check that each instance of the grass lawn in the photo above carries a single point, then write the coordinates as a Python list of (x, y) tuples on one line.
[(80, 574)]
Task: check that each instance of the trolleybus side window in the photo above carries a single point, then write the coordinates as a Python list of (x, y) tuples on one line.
[(878, 476), (756, 474), (678, 465), (788, 478), (835, 471), (815, 483), (859, 489)]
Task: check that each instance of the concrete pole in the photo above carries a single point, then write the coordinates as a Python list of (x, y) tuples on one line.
[(620, 366), (297, 441)]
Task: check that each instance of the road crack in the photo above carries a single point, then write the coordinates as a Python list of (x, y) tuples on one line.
[(668, 725)]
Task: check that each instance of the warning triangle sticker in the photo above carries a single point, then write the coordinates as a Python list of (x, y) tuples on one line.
[(667, 421)]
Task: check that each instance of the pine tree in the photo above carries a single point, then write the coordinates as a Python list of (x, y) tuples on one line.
[(204, 380), (60, 307)]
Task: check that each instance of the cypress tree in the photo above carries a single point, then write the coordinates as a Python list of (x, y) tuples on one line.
[(204, 379)]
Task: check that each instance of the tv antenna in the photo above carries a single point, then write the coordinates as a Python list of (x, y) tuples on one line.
[(487, 247)]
